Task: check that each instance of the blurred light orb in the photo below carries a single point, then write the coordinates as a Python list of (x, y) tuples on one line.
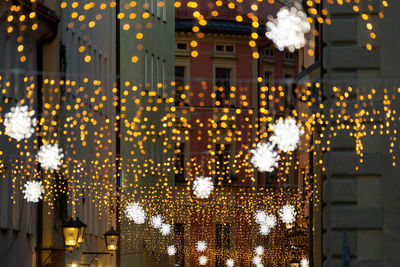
[(33, 191), (230, 262), (304, 262), (19, 123), (171, 250), (264, 157), (165, 229), (286, 134), (203, 260), (156, 221), (49, 156), (289, 28), (203, 187), (201, 245), (259, 250), (135, 212), (287, 214)]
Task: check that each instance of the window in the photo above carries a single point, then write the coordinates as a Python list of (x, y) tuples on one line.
[(269, 52), (179, 85), (179, 163), (223, 85), (222, 163), (182, 46), (224, 48), (222, 242), (180, 244), (288, 55)]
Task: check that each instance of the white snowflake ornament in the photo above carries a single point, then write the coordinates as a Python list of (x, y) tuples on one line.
[(270, 221), (171, 250), (286, 134), (33, 191), (156, 221), (201, 245), (135, 212), (256, 260), (287, 214), (259, 251), (165, 229), (19, 123), (49, 156), (203, 187), (289, 28), (304, 262), (265, 229), (230, 263), (264, 157), (203, 260)]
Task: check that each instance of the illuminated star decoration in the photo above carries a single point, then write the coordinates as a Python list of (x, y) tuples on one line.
[(304, 262), (165, 229), (19, 123), (288, 29), (264, 157), (49, 156), (201, 245), (203, 187), (33, 191), (171, 250), (156, 221), (259, 250), (135, 212), (203, 260), (286, 134), (230, 262), (287, 214)]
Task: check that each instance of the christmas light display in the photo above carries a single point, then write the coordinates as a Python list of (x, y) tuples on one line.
[(49, 156), (230, 262), (165, 229), (33, 191), (259, 251), (19, 123), (156, 221), (171, 250), (203, 260)]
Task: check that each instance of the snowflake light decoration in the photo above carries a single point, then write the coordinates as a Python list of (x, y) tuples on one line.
[(270, 221), (171, 250), (203, 187), (165, 229), (135, 212), (265, 229), (33, 191), (264, 157), (287, 214), (203, 260), (256, 260), (19, 122), (286, 134), (259, 250), (260, 216), (289, 28), (49, 156), (304, 262), (201, 245), (156, 221), (230, 262)]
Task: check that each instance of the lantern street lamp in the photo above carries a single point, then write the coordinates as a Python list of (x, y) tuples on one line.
[(70, 233), (111, 237), (82, 230), (294, 263)]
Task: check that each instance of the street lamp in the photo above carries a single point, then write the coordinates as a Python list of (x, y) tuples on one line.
[(82, 230), (111, 237), (294, 263), (70, 233)]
